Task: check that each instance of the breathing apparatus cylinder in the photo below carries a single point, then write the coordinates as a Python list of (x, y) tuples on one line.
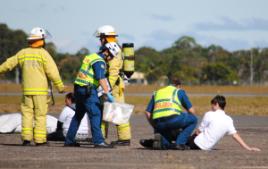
[(129, 59)]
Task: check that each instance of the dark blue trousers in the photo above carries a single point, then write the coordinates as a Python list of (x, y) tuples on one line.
[(165, 126), (86, 102)]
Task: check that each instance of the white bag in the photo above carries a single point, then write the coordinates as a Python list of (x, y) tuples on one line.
[(10, 122), (117, 113)]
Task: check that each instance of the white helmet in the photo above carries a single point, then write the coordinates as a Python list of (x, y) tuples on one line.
[(38, 33), (113, 48), (106, 30)]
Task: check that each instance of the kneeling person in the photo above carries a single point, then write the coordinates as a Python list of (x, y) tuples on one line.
[(165, 114)]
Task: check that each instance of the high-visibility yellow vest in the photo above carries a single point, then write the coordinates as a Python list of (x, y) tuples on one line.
[(85, 75), (166, 102)]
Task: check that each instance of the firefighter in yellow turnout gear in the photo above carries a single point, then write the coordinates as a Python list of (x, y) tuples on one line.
[(107, 34), (37, 67)]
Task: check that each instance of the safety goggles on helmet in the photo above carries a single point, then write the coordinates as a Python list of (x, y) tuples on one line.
[(113, 48), (38, 33)]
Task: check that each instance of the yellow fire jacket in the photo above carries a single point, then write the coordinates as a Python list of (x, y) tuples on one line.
[(114, 69), (37, 67)]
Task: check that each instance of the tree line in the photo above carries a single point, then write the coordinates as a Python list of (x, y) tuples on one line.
[(192, 62), (14, 40), (196, 64)]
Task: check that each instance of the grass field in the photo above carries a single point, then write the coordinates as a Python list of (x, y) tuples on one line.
[(149, 88), (235, 105), (203, 89)]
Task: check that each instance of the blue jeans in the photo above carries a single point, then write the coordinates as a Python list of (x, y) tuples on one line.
[(86, 102), (185, 121)]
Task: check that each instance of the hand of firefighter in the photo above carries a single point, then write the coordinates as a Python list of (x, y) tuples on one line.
[(126, 79), (62, 90), (109, 97)]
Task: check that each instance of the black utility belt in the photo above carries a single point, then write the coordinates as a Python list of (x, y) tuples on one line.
[(86, 86), (163, 119)]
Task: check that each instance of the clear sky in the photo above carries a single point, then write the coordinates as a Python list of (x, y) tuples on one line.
[(233, 24)]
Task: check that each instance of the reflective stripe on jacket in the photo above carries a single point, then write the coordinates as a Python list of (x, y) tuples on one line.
[(37, 67), (85, 75), (166, 102)]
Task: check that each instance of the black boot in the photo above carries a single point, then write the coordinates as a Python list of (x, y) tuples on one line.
[(157, 143), (147, 143), (26, 143), (180, 147), (42, 144), (72, 145), (121, 142)]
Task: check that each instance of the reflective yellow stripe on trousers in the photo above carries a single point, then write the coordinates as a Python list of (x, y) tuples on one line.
[(40, 134), (27, 131)]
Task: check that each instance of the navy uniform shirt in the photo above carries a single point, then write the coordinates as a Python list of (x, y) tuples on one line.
[(99, 73), (185, 102), (99, 69)]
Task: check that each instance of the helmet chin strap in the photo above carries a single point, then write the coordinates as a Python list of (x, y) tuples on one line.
[(103, 40), (105, 54), (107, 39), (111, 39), (37, 43)]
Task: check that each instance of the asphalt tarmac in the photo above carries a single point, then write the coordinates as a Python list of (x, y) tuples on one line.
[(227, 154)]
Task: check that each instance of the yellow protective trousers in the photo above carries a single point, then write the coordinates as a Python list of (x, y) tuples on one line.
[(34, 111), (123, 130)]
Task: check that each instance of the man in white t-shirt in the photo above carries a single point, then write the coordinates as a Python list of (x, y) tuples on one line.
[(215, 124), (65, 119)]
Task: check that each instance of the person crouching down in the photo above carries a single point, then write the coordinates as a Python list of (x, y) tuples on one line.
[(165, 114)]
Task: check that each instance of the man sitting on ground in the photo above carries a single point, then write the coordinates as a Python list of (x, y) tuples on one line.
[(215, 124)]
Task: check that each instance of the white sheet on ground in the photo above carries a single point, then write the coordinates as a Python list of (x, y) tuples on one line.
[(10, 123)]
